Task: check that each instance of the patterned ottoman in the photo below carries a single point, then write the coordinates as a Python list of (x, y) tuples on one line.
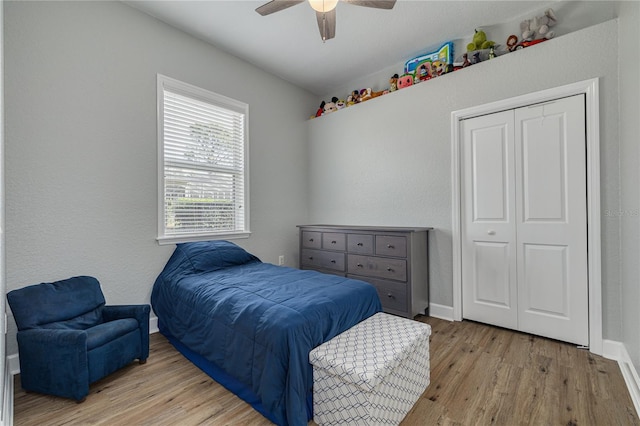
[(371, 374)]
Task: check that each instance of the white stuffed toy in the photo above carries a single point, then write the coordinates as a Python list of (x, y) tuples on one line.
[(539, 27)]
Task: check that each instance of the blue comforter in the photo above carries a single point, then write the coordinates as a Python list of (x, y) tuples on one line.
[(257, 321)]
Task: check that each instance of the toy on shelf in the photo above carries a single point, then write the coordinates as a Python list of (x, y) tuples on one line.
[(444, 54), (330, 107), (479, 42), (353, 98), (512, 41), (465, 60), (405, 80), (393, 83), (534, 31), (366, 94), (539, 27)]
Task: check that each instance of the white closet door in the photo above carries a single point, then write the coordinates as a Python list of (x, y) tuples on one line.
[(551, 195), (524, 229), (488, 220)]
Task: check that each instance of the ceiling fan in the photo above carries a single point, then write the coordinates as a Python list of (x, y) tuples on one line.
[(325, 11)]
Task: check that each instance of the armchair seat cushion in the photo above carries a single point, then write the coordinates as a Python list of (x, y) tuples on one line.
[(109, 331)]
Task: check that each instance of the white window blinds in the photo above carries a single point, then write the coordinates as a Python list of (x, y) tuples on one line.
[(203, 140)]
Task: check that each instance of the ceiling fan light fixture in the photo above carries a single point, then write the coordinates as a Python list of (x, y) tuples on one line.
[(323, 6)]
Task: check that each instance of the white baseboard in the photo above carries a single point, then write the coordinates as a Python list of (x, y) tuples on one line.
[(13, 364), (441, 311), (617, 351), (7, 404), (153, 325)]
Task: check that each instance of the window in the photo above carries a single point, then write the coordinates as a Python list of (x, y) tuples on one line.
[(202, 162)]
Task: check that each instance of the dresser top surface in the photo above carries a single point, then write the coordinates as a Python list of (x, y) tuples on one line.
[(365, 228)]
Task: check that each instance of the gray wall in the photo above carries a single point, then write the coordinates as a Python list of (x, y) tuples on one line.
[(81, 147), (629, 65), (388, 161)]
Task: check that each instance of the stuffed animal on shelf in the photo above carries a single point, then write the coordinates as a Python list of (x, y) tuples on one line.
[(320, 109), (366, 94), (405, 80), (353, 98), (479, 42), (465, 60), (330, 107), (393, 83), (539, 27), (341, 104)]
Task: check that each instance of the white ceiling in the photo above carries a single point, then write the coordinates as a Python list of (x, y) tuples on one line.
[(288, 43)]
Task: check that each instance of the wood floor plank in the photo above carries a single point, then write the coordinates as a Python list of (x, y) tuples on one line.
[(480, 375)]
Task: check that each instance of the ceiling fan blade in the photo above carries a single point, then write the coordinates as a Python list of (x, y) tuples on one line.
[(327, 24), (378, 4), (276, 6)]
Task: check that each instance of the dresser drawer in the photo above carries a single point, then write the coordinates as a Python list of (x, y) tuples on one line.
[(333, 241), (311, 239), (322, 259), (393, 295), (387, 245), (360, 243), (377, 267)]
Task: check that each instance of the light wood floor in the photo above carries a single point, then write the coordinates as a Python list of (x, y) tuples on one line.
[(480, 375)]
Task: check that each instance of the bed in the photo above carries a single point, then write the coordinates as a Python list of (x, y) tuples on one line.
[(250, 325)]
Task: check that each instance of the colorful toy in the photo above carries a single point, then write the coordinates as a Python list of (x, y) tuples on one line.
[(341, 104), (393, 83), (353, 98), (539, 27), (444, 54), (465, 60), (424, 71), (479, 42), (405, 80), (330, 107)]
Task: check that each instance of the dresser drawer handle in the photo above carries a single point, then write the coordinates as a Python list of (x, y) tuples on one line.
[(360, 244), (359, 265), (333, 261), (310, 240), (310, 257), (389, 269), (390, 246), (390, 296), (333, 242)]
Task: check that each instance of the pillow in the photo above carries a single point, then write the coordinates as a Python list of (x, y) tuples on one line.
[(213, 255)]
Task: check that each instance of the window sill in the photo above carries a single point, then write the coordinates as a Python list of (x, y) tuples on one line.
[(201, 237)]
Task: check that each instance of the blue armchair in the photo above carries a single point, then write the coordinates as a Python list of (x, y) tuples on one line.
[(68, 338)]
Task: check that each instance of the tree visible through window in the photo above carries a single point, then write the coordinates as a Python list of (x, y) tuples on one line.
[(203, 178)]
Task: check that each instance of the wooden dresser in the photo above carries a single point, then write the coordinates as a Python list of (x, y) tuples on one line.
[(393, 259)]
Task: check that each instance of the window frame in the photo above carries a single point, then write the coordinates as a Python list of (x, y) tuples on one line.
[(184, 89)]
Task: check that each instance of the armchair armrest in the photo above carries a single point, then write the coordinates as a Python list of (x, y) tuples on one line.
[(54, 361), (140, 313)]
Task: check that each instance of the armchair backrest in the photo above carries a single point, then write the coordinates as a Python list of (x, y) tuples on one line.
[(74, 303)]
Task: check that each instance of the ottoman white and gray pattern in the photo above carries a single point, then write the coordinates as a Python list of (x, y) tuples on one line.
[(371, 374)]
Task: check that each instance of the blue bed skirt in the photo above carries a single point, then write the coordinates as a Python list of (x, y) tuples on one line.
[(229, 382)]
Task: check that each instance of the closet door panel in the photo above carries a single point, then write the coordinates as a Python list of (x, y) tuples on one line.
[(488, 220), (550, 149)]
